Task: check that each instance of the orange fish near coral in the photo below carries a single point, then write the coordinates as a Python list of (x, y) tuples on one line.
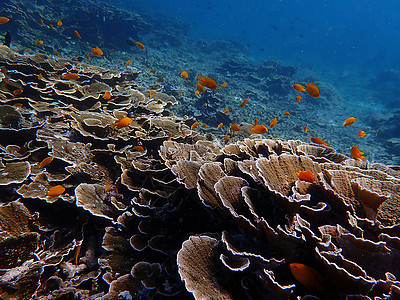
[(305, 129), (55, 191), (204, 125), (356, 153), (312, 89), (39, 42), (107, 96), (160, 79), (4, 20), (45, 161), (128, 62), (183, 132), (306, 175), (18, 92), (200, 87), (318, 140), (152, 70), (226, 110), (96, 51), (184, 74), (140, 45), (220, 125), (298, 98), (273, 122), (55, 52), (299, 87), (59, 23), (227, 137), (70, 76), (259, 129), (223, 85), (307, 276), (286, 113), (76, 33), (40, 76), (122, 123), (151, 94), (244, 102), (208, 82), (361, 133), (349, 121), (194, 125), (51, 26), (139, 148), (235, 127)]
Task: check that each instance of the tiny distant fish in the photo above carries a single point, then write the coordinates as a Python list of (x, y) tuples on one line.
[(107, 96), (128, 62), (55, 52), (349, 121), (139, 148), (59, 23), (200, 87), (160, 79), (204, 125), (361, 133), (76, 33), (305, 129), (152, 70), (51, 26), (96, 51), (273, 122), (41, 22), (244, 102), (286, 113), (87, 56), (7, 39), (151, 94), (18, 92), (376, 133), (140, 45), (184, 75), (227, 137), (39, 42), (220, 125), (298, 98), (194, 125), (184, 132), (40, 76), (226, 110), (4, 20), (255, 121), (223, 85)]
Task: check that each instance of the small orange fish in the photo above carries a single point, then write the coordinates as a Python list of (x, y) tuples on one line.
[(259, 129), (96, 51), (305, 129), (160, 79), (196, 92), (55, 191), (59, 23), (220, 125), (107, 95), (139, 148), (255, 121), (51, 26), (107, 188), (244, 102), (307, 276), (140, 45), (4, 20), (200, 87), (187, 81), (55, 52), (41, 22), (169, 138), (18, 92), (299, 87), (235, 127), (361, 133), (75, 58), (40, 76), (286, 113), (87, 56), (180, 94), (184, 74), (208, 82), (77, 251), (223, 85), (198, 77), (39, 42), (45, 161), (226, 110), (204, 125), (312, 89), (128, 62), (318, 140), (298, 98), (152, 70), (194, 125), (349, 121), (27, 50), (76, 33), (227, 137), (306, 176), (273, 122), (122, 122), (376, 132), (183, 132), (356, 153), (18, 105), (151, 94), (70, 76)]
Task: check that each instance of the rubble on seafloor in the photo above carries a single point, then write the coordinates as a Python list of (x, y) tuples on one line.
[(148, 211)]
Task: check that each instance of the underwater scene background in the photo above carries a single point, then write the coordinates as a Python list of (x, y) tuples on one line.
[(199, 150)]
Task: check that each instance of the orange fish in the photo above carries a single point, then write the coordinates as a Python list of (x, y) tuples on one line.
[(160, 79), (305, 129), (18, 105), (4, 20), (152, 70), (298, 98), (51, 26), (39, 42), (356, 153), (40, 76), (55, 191), (318, 140), (226, 110), (27, 50), (255, 121), (70, 76), (151, 94), (18, 92), (204, 125), (306, 175), (183, 132), (220, 125), (198, 77), (41, 22), (139, 148), (376, 133), (55, 52), (187, 81), (312, 89), (227, 137), (223, 85), (273, 122), (96, 51), (76, 33), (208, 82), (128, 62), (46, 161), (235, 127), (361, 133), (87, 56), (194, 125), (59, 23), (122, 122), (77, 251), (286, 113), (307, 276), (140, 45), (196, 92), (299, 87), (244, 102), (107, 96), (259, 129), (200, 87), (184, 74), (349, 121)]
